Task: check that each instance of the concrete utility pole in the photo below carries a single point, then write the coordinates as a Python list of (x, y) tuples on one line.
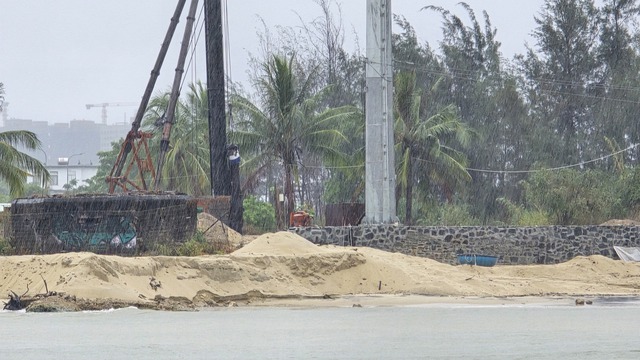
[(380, 182)]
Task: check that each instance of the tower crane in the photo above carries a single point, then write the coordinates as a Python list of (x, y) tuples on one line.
[(104, 108)]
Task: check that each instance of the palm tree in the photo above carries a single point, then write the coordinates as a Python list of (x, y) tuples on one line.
[(16, 166), (426, 140), (186, 167), (288, 124)]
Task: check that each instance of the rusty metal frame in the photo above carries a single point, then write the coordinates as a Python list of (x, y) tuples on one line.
[(137, 143)]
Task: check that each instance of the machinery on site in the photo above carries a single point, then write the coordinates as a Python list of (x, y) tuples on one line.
[(138, 218), (136, 141)]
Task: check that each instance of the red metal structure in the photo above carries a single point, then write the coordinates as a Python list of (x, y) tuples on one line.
[(137, 143)]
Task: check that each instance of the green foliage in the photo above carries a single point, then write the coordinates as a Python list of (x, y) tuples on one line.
[(345, 186), (16, 166), (533, 218), (573, 197), (518, 215), (71, 187), (200, 245), (289, 126), (98, 184), (33, 189), (186, 167), (430, 143), (5, 247), (163, 250), (259, 216), (630, 189), (196, 246), (190, 248), (565, 36), (448, 215), (478, 84)]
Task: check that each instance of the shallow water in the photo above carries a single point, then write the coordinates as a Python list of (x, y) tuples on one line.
[(605, 330)]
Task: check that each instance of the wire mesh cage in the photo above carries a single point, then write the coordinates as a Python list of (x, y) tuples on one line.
[(123, 224)]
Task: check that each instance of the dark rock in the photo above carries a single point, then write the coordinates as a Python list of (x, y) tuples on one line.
[(53, 304)]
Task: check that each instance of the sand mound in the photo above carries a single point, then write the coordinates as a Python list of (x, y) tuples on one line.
[(216, 232), (280, 243), (285, 265)]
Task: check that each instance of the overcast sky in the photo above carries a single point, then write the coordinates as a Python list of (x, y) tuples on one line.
[(58, 56)]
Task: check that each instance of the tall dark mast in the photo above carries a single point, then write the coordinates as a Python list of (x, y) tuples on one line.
[(220, 175)]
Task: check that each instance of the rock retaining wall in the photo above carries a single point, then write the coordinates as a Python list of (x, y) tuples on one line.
[(512, 245)]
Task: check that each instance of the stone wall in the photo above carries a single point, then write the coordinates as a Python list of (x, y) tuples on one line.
[(512, 245)]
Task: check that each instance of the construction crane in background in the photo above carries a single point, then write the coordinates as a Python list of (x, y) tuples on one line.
[(104, 108)]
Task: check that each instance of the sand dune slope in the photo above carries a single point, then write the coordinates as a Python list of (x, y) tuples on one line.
[(286, 265)]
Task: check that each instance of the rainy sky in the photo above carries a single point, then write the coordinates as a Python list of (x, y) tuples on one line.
[(58, 56)]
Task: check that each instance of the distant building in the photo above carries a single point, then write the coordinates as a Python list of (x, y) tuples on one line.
[(65, 174), (69, 150), (80, 140)]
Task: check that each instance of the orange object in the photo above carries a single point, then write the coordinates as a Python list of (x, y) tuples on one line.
[(299, 218)]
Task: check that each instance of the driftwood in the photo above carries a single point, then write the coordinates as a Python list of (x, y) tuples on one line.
[(15, 302), (46, 289), (19, 302)]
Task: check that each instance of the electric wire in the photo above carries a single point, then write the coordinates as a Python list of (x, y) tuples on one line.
[(227, 60), (443, 73), (195, 39), (468, 75)]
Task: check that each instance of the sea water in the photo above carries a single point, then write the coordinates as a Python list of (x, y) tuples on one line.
[(605, 330)]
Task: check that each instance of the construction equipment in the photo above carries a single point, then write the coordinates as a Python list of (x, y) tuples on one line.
[(104, 108), (126, 223), (300, 218), (136, 140)]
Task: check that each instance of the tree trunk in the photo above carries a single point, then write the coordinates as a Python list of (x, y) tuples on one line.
[(278, 208), (409, 193), (288, 186)]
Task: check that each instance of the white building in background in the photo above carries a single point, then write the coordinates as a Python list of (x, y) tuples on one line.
[(64, 173), (65, 139)]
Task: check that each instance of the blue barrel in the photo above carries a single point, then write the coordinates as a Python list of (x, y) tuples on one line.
[(479, 260)]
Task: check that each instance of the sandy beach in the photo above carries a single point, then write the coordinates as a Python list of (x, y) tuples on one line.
[(283, 269)]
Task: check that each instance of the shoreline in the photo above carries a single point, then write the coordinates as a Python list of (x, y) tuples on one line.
[(63, 303), (415, 300)]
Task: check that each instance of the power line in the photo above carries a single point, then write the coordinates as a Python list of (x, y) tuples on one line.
[(470, 75), (194, 42), (582, 163)]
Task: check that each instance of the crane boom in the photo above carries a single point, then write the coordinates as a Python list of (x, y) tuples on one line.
[(116, 178), (104, 108), (175, 92)]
